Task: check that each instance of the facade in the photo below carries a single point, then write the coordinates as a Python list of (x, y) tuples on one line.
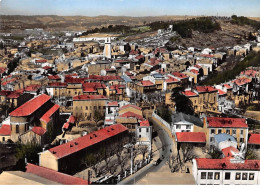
[(144, 134), (84, 106), (68, 157), (226, 172), (236, 127), (29, 114)]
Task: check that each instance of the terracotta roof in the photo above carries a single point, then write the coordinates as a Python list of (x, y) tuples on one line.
[(14, 95), (130, 105), (40, 61), (227, 86), (194, 71), (220, 164), (93, 86), (254, 139), (57, 84), (33, 87), (112, 103), (147, 83), (31, 106), (226, 122), (139, 57), (242, 81), (5, 130), (197, 66), (87, 140), (196, 137), (132, 115), (54, 175), (189, 93), (180, 75), (221, 92), (47, 67), (54, 77), (39, 130), (5, 93), (70, 121), (202, 89), (90, 97), (2, 70), (47, 116), (145, 123), (227, 151), (249, 73), (171, 80)]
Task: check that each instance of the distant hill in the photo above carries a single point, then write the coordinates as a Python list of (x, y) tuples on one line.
[(59, 23)]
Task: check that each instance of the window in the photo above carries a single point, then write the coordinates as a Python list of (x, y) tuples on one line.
[(17, 128), (104, 107), (140, 130), (139, 136), (251, 176), (210, 175), (90, 107), (227, 176), (178, 127), (242, 131), (211, 139), (238, 176), (86, 107), (234, 131), (219, 131), (217, 174), (3, 139), (75, 92), (203, 175), (188, 126), (99, 107), (244, 176), (241, 139), (212, 131), (95, 107), (228, 131), (147, 130)]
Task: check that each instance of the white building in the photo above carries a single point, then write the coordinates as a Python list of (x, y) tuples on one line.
[(226, 171), (111, 112), (144, 134)]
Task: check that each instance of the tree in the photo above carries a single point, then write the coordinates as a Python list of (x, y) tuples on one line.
[(30, 151), (215, 153), (250, 154), (164, 112), (98, 116), (173, 163), (143, 150), (188, 153), (182, 103)]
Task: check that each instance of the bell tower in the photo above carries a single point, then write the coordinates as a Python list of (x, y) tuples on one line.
[(107, 49)]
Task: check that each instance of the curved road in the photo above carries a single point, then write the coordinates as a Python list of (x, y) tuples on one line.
[(166, 141)]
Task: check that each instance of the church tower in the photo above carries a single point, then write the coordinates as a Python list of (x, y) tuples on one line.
[(107, 49)]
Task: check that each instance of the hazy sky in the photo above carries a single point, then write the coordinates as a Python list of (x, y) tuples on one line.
[(131, 7)]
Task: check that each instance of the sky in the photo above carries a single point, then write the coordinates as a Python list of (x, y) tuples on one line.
[(250, 8)]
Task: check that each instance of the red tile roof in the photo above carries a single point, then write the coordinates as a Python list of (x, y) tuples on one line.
[(202, 89), (89, 97), (220, 164), (47, 116), (132, 115), (221, 92), (70, 121), (113, 103), (171, 80), (5, 130), (226, 122), (139, 57), (54, 175), (180, 75), (197, 66), (254, 139), (31, 106), (40, 61), (2, 70), (227, 151), (87, 140), (227, 86), (145, 123), (5, 93), (54, 77), (196, 137), (147, 83), (47, 67), (242, 81), (14, 95), (93, 86), (189, 93), (194, 71), (33, 87), (57, 84), (130, 105), (249, 73), (39, 130)]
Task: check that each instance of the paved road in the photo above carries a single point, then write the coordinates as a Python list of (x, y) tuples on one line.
[(166, 141)]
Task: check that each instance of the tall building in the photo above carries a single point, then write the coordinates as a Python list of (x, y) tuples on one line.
[(107, 49)]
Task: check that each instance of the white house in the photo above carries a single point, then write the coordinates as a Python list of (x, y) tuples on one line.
[(111, 112), (144, 134), (226, 171)]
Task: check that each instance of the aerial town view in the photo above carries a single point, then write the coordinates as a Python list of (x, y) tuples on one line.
[(117, 92)]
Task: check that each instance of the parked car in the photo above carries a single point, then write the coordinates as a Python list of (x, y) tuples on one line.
[(158, 161)]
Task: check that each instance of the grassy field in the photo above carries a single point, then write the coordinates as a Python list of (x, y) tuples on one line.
[(141, 29)]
